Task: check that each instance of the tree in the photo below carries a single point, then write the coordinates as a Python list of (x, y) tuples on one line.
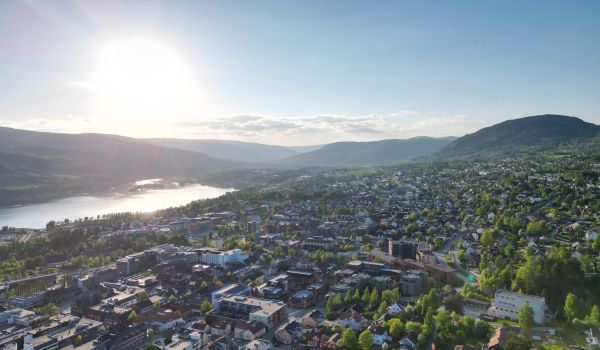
[(334, 303), (156, 304), (349, 339), (396, 328), (348, 297), (206, 306), (572, 307), (356, 296), (365, 340), (142, 296), (49, 309), (454, 302), (414, 327), (374, 298), (132, 316), (518, 342), (526, 319), (594, 317), (487, 237), (365, 296)]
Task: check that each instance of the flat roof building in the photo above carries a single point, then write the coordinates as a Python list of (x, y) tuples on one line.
[(268, 312), (507, 305)]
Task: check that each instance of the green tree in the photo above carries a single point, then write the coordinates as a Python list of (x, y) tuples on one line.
[(374, 298), (487, 237), (414, 327), (518, 342), (365, 340), (526, 319), (49, 309), (349, 339), (572, 307), (132, 316), (356, 296), (594, 316), (206, 306), (396, 328), (365, 296)]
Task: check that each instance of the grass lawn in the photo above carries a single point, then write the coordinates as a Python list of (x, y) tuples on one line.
[(475, 343), (565, 338)]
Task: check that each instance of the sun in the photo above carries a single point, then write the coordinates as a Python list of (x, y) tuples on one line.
[(140, 77)]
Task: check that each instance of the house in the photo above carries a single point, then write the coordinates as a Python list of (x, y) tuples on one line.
[(396, 308), (331, 342), (380, 334), (313, 339), (352, 319), (258, 344), (248, 330), (289, 332), (499, 337), (409, 342), (591, 235), (313, 319), (221, 327), (162, 319)]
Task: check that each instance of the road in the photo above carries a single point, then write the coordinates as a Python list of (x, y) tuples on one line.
[(440, 256)]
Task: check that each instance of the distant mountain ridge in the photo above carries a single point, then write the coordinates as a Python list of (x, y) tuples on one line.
[(370, 153), (38, 166), (523, 134), (234, 150)]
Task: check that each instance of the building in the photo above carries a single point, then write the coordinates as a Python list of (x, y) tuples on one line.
[(223, 258), (268, 312), (138, 262), (28, 302), (403, 249), (131, 338), (253, 226), (230, 289), (303, 299), (40, 343), (413, 283), (108, 314), (300, 278), (248, 330), (317, 242), (507, 305)]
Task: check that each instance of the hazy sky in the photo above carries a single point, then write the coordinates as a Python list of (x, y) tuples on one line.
[(295, 72)]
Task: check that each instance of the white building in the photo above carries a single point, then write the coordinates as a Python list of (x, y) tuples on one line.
[(507, 305), (216, 257)]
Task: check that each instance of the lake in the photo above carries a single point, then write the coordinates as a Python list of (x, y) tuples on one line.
[(37, 215)]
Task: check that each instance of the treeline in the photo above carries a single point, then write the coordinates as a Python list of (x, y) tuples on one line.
[(78, 247)]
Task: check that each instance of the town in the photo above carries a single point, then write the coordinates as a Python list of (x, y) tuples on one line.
[(487, 254)]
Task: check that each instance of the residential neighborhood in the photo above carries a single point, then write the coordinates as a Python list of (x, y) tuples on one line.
[(484, 255)]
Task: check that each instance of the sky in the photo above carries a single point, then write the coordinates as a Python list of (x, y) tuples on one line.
[(295, 72)]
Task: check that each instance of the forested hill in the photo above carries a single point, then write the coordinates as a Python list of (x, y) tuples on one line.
[(38, 165), (525, 134), (373, 153)]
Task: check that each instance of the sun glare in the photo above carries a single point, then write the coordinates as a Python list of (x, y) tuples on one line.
[(139, 76)]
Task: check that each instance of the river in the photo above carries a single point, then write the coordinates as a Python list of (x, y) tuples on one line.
[(37, 215)]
